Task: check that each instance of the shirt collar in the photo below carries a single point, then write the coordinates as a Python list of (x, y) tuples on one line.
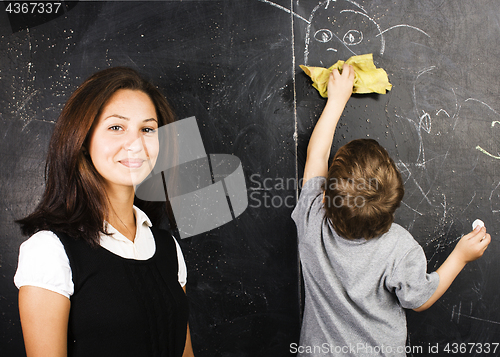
[(141, 219)]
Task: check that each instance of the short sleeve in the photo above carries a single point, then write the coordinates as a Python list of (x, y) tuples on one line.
[(43, 263), (182, 272), (410, 281), (310, 203)]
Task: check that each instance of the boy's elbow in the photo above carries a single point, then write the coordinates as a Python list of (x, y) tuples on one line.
[(315, 154), (424, 307), (421, 308)]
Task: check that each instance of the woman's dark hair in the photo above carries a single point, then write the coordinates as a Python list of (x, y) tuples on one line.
[(74, 201), (363, 190)]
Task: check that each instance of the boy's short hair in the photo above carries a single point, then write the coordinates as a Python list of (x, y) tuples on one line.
[(363, 190)]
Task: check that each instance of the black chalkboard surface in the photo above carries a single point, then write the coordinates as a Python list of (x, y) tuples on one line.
[(234, 66)]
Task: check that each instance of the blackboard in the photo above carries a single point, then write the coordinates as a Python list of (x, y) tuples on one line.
[(234, 66)]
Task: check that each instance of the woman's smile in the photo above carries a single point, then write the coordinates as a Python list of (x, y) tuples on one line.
[(132, 163)]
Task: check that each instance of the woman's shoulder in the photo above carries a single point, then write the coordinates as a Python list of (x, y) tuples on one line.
[(42, 240), (43, 249), (43, 263), (182, 269)]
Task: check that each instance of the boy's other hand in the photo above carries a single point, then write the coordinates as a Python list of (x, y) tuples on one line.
[(340, 85), (469, 248), (472, 246)]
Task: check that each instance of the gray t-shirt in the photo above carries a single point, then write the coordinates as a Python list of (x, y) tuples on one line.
[(355, 290)]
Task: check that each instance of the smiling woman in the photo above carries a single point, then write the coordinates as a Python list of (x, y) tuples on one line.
[(124, 141), (96, 278), (75, 200)]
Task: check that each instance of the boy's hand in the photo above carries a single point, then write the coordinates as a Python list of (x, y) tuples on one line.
[(340, 85), (469, 248), (472, 246)]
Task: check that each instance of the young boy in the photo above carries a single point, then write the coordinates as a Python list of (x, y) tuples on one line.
[(360, 269)]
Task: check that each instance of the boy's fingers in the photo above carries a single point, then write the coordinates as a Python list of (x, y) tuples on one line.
[(477, 233), (483, 244), (486, 239), (351, 72), (348, 69)]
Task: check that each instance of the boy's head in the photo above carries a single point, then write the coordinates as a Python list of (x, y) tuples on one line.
[(363, 190)]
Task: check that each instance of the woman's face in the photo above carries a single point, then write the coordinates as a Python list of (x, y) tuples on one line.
[(124, 142)]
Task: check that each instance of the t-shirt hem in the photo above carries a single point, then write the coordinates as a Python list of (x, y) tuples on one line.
[(425, 297), (44, 286)]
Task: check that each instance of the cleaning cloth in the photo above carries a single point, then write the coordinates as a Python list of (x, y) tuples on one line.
[(367, 77)]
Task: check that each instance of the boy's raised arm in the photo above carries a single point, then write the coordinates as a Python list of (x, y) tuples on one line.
[(318, 151)]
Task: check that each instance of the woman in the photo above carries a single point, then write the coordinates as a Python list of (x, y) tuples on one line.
[(95, 278)]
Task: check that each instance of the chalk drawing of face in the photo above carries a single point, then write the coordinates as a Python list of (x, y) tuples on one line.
[(338, 30), (436, 103), (472, 123)]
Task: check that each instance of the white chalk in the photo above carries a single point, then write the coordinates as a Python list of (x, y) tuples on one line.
[(476, 223)]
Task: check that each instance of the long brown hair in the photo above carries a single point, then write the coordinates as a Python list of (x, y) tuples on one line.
[(363, 190), (74, 201)]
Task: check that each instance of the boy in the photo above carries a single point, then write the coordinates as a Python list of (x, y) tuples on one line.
[(361, 269)]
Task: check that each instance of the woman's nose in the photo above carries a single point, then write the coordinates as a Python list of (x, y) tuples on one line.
[(133, 143)]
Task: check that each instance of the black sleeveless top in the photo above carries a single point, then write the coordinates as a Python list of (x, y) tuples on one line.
[(125, 307)]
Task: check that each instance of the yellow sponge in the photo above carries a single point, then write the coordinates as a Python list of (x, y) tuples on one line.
[(367, 77)]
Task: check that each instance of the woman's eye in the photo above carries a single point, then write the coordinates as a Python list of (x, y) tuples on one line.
[(149, 130), (115, 127)]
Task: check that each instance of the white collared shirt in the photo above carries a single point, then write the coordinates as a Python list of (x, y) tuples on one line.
[(43, 261)]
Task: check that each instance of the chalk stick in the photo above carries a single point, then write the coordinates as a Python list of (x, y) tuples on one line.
[(476, 223)]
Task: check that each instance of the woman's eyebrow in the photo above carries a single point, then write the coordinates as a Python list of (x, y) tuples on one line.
[(125, 118), (117, 116)]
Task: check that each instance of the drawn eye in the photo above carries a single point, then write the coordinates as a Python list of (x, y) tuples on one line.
[(323, 35), (353, 37)]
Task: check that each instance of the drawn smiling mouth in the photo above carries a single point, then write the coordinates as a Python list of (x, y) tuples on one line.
[(478, 147)]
